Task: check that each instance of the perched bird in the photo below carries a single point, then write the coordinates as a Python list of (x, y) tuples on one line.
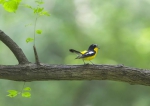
[(86, 54)]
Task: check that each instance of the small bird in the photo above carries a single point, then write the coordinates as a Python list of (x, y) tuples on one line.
[(86, 54)]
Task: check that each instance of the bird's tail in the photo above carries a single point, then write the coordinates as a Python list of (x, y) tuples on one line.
[(74, 51)]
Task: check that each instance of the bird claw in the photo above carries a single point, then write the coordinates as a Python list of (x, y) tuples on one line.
[(120, 65), (86, 63)]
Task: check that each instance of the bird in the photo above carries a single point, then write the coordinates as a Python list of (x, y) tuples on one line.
[(86, 54)]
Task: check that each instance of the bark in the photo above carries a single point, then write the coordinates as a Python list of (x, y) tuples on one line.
[(43, 72)]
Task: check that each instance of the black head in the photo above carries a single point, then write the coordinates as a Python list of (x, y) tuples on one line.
[(93, 46)]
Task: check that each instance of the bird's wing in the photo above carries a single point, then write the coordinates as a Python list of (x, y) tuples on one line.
[(87, 54)]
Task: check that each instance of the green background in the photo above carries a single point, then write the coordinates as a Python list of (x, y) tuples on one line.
[(121, 28)]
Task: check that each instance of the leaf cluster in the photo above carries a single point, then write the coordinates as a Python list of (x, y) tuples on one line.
[(10, 5), (26, 93), (38, 9)]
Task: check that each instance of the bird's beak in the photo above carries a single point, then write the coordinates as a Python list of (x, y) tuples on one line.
[(97, 46)]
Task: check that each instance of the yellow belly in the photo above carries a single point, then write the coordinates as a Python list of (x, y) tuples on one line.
[(89, 58)]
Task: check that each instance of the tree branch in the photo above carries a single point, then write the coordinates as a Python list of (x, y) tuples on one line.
[(14, 48), (26, 71), (43, 72)]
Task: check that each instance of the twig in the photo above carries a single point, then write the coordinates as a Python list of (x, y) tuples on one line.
[(34, 47), (36, 56)]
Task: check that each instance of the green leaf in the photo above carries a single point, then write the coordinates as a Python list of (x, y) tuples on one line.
[(17, 1), (39, 31), (29, 40), (28, 6), (39, 2), (27, 89), (12, 93), (26, 94), (2, 1), (11, 5), (44, 13), (38, 10)]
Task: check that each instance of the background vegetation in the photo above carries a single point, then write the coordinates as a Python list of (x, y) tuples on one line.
[(120, 27)]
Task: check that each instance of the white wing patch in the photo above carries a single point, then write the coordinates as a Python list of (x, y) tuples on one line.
[(86, 54), (91, 52)]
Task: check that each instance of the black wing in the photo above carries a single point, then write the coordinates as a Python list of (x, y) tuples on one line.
[(87, 54)]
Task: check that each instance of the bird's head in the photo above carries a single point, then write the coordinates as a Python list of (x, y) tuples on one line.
[(93, 47)]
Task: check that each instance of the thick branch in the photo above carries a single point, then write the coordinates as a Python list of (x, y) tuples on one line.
[(14, 48), (33, 72)]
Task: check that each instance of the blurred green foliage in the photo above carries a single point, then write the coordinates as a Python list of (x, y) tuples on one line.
[(120, 27), (10, 5)]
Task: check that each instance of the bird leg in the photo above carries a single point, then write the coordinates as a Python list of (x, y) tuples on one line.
[(83, 61), (91, 62)]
